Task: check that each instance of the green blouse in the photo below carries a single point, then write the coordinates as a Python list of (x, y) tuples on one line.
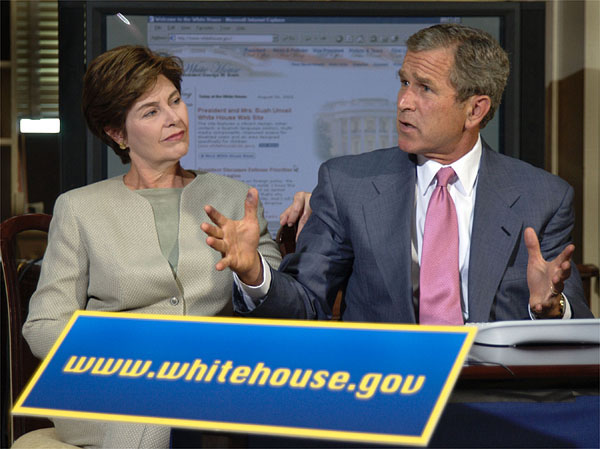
[(165, 204)]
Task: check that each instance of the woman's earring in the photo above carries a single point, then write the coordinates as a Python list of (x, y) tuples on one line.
[(122, 146)]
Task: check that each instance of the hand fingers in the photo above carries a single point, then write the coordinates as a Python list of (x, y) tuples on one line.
[(302, 222), (565, 255), (284, 217), (251, 204), (298, 209), (566, 270), (562, 265), (532, 243), (546, 304), (211, 230), (290, 215), (222, 264), (557, 286), (305, 216), (563, 272), (217, 244), (215, 216)]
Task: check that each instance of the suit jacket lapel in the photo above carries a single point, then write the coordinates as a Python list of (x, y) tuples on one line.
[(390, 232), (496, 231)]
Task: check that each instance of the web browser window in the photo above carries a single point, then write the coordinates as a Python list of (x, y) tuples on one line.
[(271, 98)]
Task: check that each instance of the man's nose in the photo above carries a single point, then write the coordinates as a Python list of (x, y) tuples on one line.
[(405, 99)]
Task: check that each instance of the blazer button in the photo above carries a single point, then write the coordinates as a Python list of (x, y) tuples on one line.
[(174, 301)]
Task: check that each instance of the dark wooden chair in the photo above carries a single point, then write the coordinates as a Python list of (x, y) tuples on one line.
[(588, 272), (286, 239), (22, 242)]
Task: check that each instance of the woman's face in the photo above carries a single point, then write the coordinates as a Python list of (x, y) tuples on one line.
[(157, 127)]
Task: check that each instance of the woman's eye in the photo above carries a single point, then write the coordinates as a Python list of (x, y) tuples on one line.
[(150, 113)]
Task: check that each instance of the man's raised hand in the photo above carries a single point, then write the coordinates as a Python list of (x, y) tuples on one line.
[(237, 240)]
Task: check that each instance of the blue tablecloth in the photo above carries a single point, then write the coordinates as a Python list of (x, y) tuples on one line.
[(507, 424)]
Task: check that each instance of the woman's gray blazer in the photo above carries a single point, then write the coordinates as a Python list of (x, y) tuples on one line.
[(103, 254)]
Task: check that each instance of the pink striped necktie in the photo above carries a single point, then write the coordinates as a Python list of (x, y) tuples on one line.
[(439, 298)]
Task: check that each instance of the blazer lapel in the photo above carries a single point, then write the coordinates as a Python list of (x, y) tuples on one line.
[(388, 215), (496, 231)]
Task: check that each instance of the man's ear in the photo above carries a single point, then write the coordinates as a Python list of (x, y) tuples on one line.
[(478, 107), (115, 135)]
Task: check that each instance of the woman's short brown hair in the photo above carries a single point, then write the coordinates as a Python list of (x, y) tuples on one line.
[(115, 80)]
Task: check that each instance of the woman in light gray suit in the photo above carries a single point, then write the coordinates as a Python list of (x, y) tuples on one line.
[(133, 243)]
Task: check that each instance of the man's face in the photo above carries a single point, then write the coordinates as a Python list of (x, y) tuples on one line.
[(430, 121)]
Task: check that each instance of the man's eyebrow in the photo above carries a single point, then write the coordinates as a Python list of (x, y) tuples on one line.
[(424, 80), (419, 79)]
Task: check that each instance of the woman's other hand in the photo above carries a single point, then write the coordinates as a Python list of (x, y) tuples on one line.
[(298, 211)]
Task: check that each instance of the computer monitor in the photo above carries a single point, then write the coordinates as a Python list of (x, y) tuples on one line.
[(275, 88)]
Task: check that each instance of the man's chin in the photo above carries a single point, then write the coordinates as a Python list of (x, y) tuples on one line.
[(407, 147)]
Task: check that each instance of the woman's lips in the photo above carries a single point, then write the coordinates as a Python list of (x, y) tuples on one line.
[(176, 136)]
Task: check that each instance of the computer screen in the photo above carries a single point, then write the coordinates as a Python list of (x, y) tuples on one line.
[(271, 98), (273, 89)]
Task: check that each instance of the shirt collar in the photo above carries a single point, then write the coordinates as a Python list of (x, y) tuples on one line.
[(466, 169)]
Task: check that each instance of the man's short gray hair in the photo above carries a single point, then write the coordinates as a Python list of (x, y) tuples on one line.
[(480, 66)]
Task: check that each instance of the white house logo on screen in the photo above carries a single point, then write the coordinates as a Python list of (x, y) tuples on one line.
[(354, 126)]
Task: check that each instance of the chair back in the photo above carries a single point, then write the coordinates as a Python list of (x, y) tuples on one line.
[(588, 272), (21, 275), (286, 239)]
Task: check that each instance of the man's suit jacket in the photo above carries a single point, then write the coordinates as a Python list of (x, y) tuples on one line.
[(103, 254), (359, 238)]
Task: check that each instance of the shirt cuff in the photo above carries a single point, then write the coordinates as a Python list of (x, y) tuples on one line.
[(254, 295)]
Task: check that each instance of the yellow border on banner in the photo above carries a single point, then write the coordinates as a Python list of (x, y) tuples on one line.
[(363, 437)]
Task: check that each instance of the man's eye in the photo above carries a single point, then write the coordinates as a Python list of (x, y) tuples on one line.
[(426, 88), (404, 83), (177, 100)]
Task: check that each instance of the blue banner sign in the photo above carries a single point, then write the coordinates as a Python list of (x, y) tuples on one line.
[(374, 383)]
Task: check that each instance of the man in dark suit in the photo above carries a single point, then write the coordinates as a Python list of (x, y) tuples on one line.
[(366, 232)]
